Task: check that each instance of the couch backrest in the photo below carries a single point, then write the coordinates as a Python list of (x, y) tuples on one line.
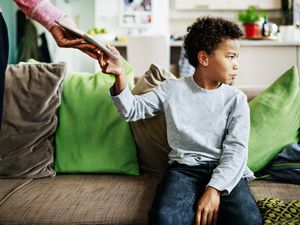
[(252, 92)]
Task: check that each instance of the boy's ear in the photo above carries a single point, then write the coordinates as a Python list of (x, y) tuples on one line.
[(203, 58)]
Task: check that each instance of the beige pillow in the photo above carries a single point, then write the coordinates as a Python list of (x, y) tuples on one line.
[(150, 134), (31, 98)]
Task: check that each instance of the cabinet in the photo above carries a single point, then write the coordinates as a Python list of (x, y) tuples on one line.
[(200, 5), (259, 4), (226, 4), (262, 65)]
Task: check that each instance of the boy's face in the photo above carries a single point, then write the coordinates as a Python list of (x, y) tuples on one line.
[(222, 63)]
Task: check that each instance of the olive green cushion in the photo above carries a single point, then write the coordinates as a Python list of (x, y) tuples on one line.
[(277, 212), (275, 120), (91, 136)]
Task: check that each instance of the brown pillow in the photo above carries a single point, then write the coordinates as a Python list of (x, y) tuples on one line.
[(31, 98), (150, 134)]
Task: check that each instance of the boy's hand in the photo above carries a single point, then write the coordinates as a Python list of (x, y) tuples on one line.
[(208, 207), (112, 66)]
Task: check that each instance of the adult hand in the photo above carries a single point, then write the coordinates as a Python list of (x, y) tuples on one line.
[(67, 39), (208, 207)]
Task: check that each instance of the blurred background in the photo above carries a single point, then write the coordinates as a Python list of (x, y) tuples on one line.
[(121, 22)]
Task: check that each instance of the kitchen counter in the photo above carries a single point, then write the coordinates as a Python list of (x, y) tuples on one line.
[(257, 58), (243, 42), (276, 43)]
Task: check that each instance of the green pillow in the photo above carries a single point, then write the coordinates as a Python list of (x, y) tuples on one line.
[(91, 136), (275, 120)]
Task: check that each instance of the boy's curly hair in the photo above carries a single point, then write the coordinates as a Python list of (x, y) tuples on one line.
[(206, 34)]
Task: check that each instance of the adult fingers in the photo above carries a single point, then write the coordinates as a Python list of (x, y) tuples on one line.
[(69, 43), (63, 38), (91, 54), (87, 47)]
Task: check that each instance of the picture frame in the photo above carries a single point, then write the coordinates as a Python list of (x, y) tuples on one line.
[(136, 13)]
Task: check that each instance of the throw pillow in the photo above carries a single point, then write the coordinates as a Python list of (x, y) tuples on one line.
[(277, 212), (91, 136), (32, 96), (275, 120), (150, 134), (284, 167)]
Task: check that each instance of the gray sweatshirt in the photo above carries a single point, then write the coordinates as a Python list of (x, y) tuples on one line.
[(202, 125)]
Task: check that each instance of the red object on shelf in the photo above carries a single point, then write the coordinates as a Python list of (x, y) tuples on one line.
[(251, 30)]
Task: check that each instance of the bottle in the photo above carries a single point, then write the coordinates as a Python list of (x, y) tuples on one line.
[(266, 31)]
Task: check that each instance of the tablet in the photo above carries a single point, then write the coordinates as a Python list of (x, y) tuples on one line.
[(87, 38)]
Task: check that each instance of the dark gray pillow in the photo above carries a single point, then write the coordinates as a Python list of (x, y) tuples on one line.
[(31, 98), (151, 134)]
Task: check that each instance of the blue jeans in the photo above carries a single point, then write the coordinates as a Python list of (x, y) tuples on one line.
[(177, 195)]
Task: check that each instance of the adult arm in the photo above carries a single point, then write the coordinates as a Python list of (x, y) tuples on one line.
[(46, 14), (42, 11)]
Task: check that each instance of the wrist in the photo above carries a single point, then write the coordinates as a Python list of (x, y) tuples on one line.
[(120, 76), (213, 190)]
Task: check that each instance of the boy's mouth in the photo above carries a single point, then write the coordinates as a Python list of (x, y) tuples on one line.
[(233, 76)]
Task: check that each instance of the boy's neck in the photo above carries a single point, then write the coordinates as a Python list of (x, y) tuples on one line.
[(199, 78)]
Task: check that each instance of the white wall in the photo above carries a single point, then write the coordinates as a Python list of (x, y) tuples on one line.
[(101, 13), (107, 15), (82, 12)]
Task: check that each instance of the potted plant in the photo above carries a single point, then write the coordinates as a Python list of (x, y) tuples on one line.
[(249, 18)]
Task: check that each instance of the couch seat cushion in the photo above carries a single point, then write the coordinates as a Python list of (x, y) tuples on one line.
[(267, 189), (9, 186), (78, 199)]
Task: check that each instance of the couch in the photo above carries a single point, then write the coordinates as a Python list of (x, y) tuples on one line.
[(100, 198)]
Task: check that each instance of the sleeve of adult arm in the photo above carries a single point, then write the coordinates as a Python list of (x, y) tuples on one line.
[(42, 11), (233, 160), (136, 107)]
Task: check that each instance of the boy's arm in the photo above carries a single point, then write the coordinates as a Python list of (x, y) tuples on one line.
[(130, 107), (233, 160)]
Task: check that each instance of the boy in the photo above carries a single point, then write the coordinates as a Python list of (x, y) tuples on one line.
[(208, 127)]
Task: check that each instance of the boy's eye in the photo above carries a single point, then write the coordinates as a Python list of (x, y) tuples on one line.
[(230, 57)]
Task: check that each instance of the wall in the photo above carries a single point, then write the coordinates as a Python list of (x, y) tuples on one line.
[(101, 13), (107, 15), (9, 13), (82, 12)]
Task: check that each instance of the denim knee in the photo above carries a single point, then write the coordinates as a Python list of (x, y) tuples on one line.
[(250, 218), (159, 216)]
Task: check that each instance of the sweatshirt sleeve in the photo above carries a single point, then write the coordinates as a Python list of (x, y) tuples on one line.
[(233, 160), (42, 11), (135, 107)]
